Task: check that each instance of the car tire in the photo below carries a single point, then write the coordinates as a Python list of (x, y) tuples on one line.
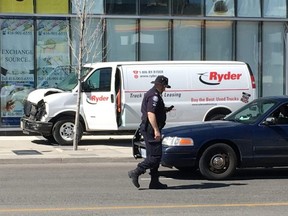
[(218, 162), (63, 131)]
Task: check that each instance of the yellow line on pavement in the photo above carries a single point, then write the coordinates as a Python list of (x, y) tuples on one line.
[(141, 207)]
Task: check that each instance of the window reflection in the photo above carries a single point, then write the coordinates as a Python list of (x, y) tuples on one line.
[(93, 35), (218, 40), (187, 7), (154, 40), (274, 8), (249, 8), (121, 6), (219, 7), (184, 31), (154, 6), (122, 39), (92, 6), (247, 49), (273, 59)]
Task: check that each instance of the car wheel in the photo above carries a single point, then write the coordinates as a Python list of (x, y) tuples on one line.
[(63, 131), (218, 162), (50, 138)]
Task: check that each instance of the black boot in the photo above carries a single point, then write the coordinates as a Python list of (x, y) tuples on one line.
[(134, 175), (155, 183)]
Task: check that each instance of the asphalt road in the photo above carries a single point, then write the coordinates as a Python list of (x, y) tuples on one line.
[(105, 189)]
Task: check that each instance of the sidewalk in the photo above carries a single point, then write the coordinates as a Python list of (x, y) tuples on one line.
[(91, 149)]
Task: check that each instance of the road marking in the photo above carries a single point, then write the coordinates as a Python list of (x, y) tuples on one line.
[(143, 207)]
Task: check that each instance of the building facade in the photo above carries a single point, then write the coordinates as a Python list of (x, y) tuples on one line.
[(36, 39)]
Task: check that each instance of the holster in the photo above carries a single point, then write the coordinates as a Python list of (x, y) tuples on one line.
[(161, 125), (145, 124)]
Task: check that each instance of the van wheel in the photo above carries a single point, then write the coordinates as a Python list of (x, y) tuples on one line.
[(218, 162), (63, 131), (216, 117)]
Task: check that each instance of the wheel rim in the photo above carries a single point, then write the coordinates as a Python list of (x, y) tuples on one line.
[(219, 163), (67, 131)]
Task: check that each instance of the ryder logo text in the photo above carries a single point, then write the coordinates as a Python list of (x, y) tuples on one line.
[(93, 99), (215, 78)]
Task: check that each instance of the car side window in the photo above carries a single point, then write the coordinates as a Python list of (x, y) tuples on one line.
[(251, 112), (281, 115)]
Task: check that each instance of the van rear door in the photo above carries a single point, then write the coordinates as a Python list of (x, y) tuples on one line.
[(98, 100)]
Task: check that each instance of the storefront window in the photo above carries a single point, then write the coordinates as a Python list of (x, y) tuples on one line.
[(154, 7), (52, 49), (218, 40), (154, 40), (249, 8), (273, 59), (220, 7), (122, 40), (121, 7), (17, 64), (247, 47), (275, 8), (188, 7), (14, 6), (52, 6), (92, 37), (92, 6), (186, 40)]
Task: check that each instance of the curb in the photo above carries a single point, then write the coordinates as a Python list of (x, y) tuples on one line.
[(34, 150), (6, 161)]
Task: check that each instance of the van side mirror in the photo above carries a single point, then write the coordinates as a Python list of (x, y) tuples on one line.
[(83, 86)]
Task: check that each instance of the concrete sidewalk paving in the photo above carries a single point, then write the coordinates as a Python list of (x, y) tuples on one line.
[(35, 149)]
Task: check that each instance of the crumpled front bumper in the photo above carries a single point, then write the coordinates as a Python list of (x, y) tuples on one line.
[(32, 126), (138, 145)]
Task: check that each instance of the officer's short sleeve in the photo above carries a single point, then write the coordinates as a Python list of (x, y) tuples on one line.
[(152, 103)]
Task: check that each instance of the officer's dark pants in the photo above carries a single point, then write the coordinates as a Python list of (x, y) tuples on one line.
[(153, 151)]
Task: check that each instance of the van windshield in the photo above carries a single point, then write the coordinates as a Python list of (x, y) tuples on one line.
[(70, 82)]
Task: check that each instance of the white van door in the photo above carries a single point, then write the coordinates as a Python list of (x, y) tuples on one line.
[(98, 100)]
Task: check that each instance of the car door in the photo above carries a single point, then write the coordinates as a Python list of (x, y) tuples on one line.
[(271, 141), (98, 100)]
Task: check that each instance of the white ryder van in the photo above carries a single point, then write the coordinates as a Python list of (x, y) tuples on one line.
[(111, 95)]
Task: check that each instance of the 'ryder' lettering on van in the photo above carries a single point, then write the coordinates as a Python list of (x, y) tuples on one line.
[(215, 78), (94, 99)]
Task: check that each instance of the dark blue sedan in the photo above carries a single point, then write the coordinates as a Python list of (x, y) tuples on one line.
[(256, 135)]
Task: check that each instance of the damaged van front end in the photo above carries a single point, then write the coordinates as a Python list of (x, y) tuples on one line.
[(35, 119)]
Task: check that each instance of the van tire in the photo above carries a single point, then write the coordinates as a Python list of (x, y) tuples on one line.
[(218, 162), (63, 131)]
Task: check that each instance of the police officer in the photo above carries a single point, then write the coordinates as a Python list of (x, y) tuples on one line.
[(153, 120)]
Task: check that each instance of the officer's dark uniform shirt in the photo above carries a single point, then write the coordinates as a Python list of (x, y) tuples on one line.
[(153, 102)]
